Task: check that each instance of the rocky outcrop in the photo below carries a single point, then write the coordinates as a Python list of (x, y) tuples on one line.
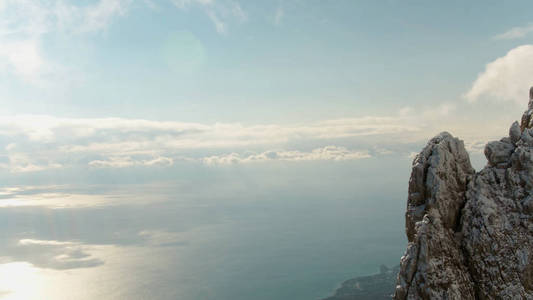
[(471, 234)]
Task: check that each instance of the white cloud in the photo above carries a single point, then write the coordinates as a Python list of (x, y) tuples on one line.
[(26, 242), (183, 4), (127, 161), (507, 78), (32, 18), (23, 22), (40, 142), (219, 25), (220, 12), (325, 153), (21, 163), (99, 16), (37, 143), (515, 32), (23, 58), (108, 135)]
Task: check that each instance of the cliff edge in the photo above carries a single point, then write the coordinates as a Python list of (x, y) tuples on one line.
[(471, 234)]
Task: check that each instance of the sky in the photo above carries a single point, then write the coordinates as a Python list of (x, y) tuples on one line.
[(105, 104), (120, 83)]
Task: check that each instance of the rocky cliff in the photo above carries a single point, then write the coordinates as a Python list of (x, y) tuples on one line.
[(471, 234)]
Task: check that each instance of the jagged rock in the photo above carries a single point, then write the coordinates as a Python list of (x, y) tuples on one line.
[(498, 153), (515, 133), (433, 267), (471, 234)]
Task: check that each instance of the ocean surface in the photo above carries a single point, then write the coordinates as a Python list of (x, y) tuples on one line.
[(270, 232)]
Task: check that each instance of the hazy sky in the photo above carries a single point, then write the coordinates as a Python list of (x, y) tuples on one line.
[(138, 134), (118, 83), (252, 61), (123, 91)]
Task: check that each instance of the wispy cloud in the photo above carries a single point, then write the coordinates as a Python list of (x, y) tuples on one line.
[(39, 142), (325, 153), (515, 32), (21, 163), (220, 12), (23, 58), (127, 161), (505, 79), (24, 22), (35, 143)]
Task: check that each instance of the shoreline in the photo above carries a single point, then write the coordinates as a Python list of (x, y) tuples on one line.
[(376, 286)]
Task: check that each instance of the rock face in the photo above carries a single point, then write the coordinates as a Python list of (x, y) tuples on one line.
[(471, 234)]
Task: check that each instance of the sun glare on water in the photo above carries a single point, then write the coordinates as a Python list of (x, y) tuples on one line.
[(20, 280)]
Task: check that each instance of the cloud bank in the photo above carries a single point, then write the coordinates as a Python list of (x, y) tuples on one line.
[(34, 143), (325, 153), (506, 78)]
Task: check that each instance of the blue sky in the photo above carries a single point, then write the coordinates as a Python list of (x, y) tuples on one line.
[(271, 61), (119, 84)]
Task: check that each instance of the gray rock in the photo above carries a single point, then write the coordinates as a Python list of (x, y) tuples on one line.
[(515, 133), (499, 153), (437, 190), (470, 234)]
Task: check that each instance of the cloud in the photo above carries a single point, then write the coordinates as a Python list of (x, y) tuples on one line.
[(220, 12), (31, 143), (41, 142), (325, 153), (515, 33), (219, 25), (506, 78), (99, 16), (53, 254), (122, 162), (32, 18), (183, 4), (21, 163), (24, 22)]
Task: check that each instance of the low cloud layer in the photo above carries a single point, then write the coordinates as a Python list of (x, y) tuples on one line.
[(326, 153), (32, 143), (35, 143)]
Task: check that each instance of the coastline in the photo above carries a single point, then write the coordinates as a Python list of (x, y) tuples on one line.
[(376, 286)]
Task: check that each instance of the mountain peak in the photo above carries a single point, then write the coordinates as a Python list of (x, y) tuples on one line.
[(471, 234)]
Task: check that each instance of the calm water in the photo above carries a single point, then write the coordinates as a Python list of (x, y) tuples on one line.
[(281, 232)]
